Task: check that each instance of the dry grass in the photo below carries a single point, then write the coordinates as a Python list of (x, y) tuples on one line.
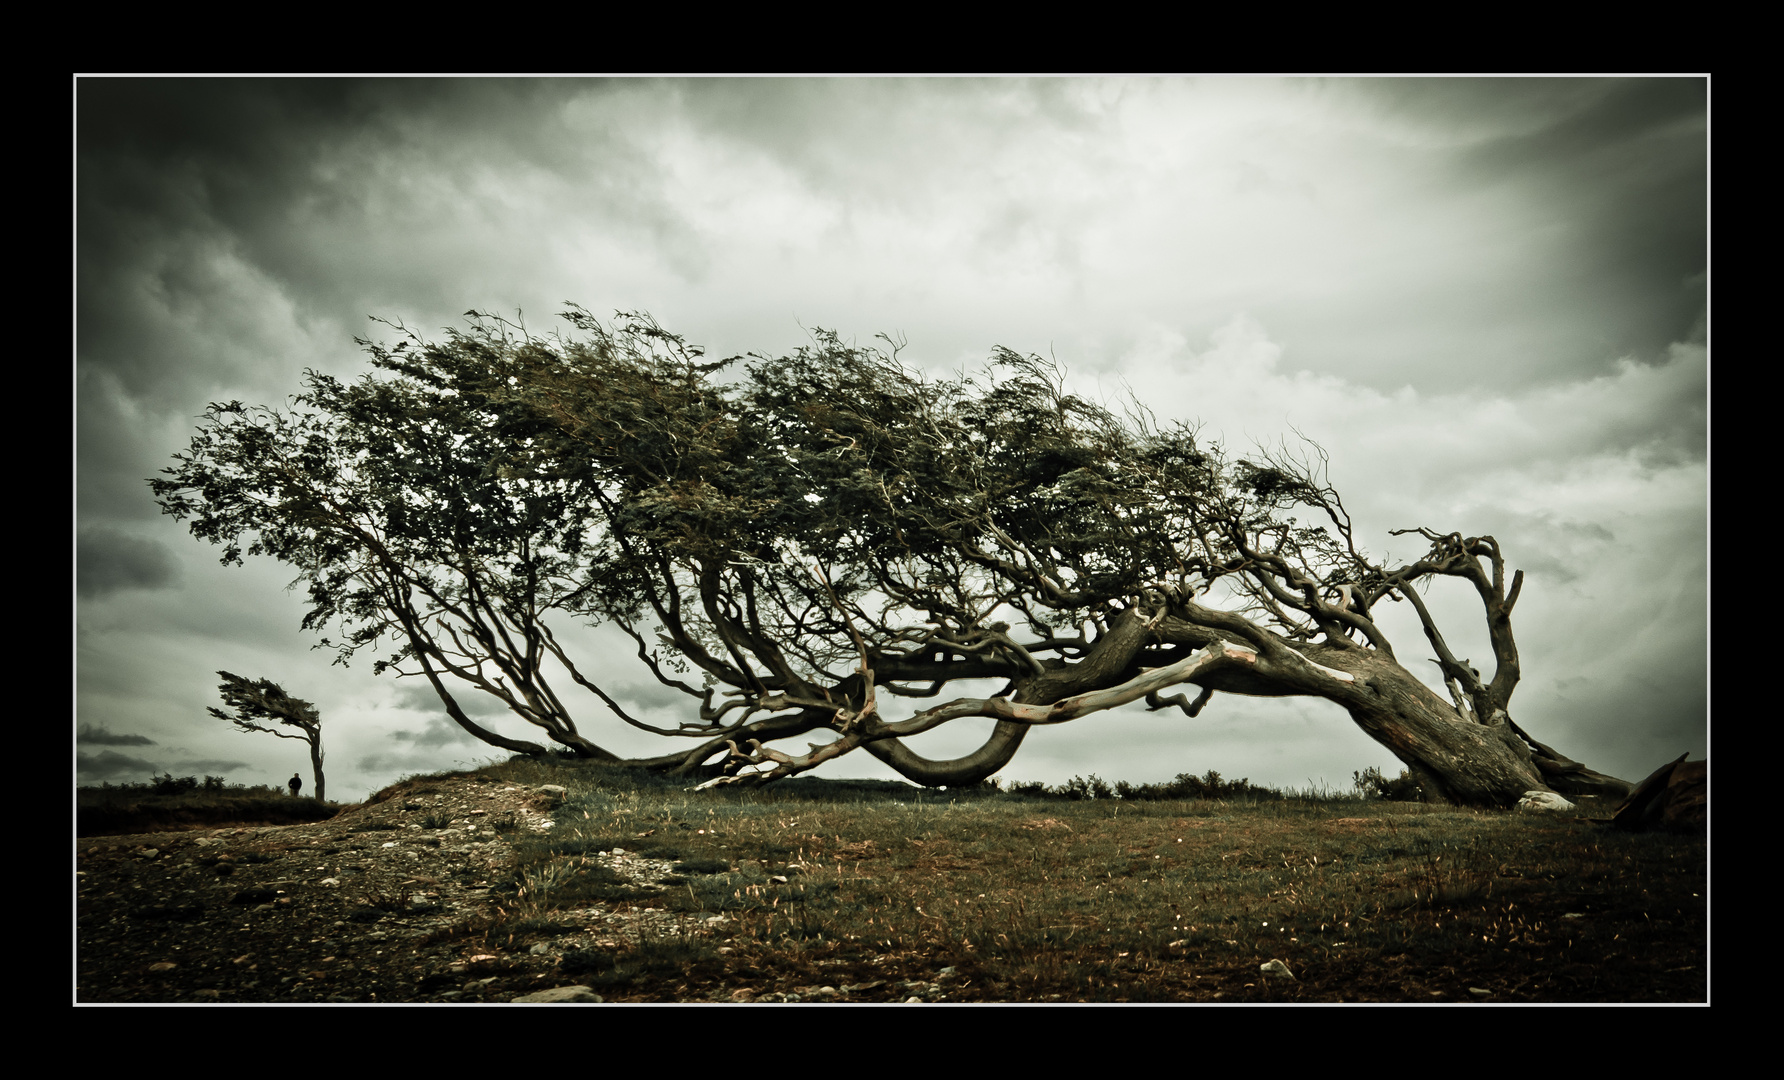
[(882, 890)]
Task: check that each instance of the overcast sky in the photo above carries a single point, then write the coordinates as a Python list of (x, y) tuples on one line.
[(1485, 297)]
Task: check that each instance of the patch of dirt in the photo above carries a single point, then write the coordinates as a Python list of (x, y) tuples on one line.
[(376, 904)]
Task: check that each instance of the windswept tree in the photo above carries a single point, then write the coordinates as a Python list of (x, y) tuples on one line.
[(792, 541), (262, 705)]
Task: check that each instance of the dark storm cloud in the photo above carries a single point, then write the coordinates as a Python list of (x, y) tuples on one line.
[(312, 197), (639, 696), (211, 767), (417, 695), (429, 746), (107, 560), (1632, 174), (441, 730), (111, 765), (1612, 177), (414, 695), (1398, 244), (169, 172), (853, 138), (88, 735)]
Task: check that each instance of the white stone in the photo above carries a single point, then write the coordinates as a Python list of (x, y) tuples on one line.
[(1543, 800)]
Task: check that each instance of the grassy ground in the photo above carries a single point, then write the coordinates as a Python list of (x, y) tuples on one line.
[(1000, 897), (185, 803)]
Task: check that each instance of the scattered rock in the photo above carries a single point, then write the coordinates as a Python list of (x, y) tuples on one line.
[(576, 995), (1543, 800), (297, 895), (1276, 969), (171, 912)]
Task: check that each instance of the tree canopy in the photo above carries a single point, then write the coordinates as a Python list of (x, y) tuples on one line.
[(787, 540)]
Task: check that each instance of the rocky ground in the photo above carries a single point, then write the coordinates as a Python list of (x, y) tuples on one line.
[(380, 904)]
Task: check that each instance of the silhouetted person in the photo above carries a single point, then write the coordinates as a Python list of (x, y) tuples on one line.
[(297, 783)]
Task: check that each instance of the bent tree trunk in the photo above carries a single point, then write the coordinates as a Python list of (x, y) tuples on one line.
[(1455, 758)]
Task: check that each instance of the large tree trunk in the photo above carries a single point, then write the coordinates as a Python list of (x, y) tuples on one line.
[(1458, 755), (1454, 758)]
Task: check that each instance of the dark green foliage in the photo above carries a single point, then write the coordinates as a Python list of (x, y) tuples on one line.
[(1371, 784), (408, 504), (171, 803), (446, 508), (1207, 786), (790, 541), (168, 785), (1186, 786), (1079, 788)]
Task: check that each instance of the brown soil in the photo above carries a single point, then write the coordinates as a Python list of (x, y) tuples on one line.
[(380, 905), (371, 905)]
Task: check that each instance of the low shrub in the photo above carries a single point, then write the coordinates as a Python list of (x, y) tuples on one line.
[(1371, 784), (1210, 785)]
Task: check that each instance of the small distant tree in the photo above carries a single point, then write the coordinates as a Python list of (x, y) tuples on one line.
[(263, 705)]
